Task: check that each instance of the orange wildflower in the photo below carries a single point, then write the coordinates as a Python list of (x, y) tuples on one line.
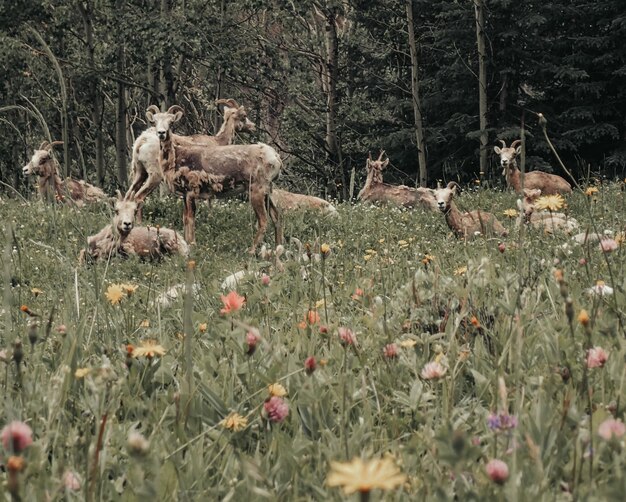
[(232, 302), (312, 317)]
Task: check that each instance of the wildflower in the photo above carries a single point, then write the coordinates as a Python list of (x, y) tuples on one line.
[(583, 317), (611, 428), (114, 294), (475, 322), (460, 271), (148, 348), (36, 292), (252, 338), (265, 280), (390, 351), (312, 317), (365, 476), (608, 245), (234, 422), (27, 311), (137, 444), (497, 470), (408, 344), (15, 463), (510, 213), (433, 370), (16, 436), (323, 329), (202, 327), (591, 191), (129, 289), (347, 336), (71, 481), (600, 289), (501, 422), (502, 247), (232, 302), (550, 202), (144, 324), (277, 390), (61, 329), (81, 373), (582, 261), (358, 294), (129, 349), (309, 365), (275, 409), (596, 357), (427, 259), (325, 250)]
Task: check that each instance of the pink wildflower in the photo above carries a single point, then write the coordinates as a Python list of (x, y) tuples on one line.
[(347, 336), (611, 428), (16, 437), (608, 245), (433, 370), (309, 365), (265, 280), (390, 351), (71, 481), (275, 409), (232, 302), (596, 357), (252, 338), (498, 471)]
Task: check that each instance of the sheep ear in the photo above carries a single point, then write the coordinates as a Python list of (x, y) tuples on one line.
[(518, 150), (119, 195), (385, 164), (177, 111), (497, 150), (151, 111)]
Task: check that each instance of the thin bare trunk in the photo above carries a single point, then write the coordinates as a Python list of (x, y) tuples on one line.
[(479, 9), (120, 130), (417, 112)]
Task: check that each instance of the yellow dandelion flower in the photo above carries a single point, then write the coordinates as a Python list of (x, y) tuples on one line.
[(277, 390), (371, 251), (144, 324), (365, 476), (408, 344), (510, 213), (325, 249), (36, 291), (368, 257), (427, 259), (591, 191), (81, 373), (320, 303), (381, 240), (149, 349), (202, 327), (234, 422), (460, 271), (114, 294), (550, 202), (583, 317), (129, 289)]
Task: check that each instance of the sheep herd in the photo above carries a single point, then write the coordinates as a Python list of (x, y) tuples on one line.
[(207, 167)]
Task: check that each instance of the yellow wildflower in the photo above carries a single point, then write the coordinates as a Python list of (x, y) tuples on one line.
[(408, 344), (510, 213), (277, 390), (144, 324), (583, 317), (234, 422), (114, 294), (149, 348), (325, 250), (591, 191), (427, 259), (36, 291), (460, 271), (365, 476), (81, 373), (129, 289), (550, 202), (202, 327)]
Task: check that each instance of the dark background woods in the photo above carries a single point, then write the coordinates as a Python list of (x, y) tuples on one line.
[(326, 82)]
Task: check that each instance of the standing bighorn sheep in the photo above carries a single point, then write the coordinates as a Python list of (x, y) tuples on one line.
[(51, 186), (205, 172), (146, 173), (122, 238), (469, 224), (399, 195), (549, 184)]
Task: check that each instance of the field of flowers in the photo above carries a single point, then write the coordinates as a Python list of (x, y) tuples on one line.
[(382, 358)]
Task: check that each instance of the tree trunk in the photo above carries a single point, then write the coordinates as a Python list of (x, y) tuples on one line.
[(417, 112), (120, 129), (168, 87), (479, 10)]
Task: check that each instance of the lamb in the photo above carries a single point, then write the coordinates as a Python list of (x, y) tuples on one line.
[(375, 190), (549, 184), (122, 238), (469, 224), (549, 222), (51, 186), (146, 173), (289, 201), (219, 171)]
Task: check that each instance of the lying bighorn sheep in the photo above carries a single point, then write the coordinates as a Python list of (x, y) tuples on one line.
[(549, 184), (51, 186), (122, 238), (399, 195), (289, 201), (466, 225), (548, 221)]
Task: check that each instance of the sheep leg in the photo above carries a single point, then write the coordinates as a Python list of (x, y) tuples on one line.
[(189, 222), (257, 200), (277, 220)]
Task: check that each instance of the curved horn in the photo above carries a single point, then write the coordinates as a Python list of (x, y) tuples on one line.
[(230, 102), (45, 146), (503, 143), (153, 109), (453, 185), (56, 143), (369, 155), (380, 157), (175, 109), (514, 144)]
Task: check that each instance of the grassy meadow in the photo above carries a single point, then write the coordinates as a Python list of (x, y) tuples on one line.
[(390, 340)]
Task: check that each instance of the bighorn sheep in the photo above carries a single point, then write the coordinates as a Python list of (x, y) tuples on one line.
[(466, 225), (122, 238), (50, 184), (549, 184), (289, 201), (399, 195), (549, 222), (219, 171), (146, 173)]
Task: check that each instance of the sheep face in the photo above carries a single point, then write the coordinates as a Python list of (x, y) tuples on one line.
[(528, 204), (240, 116), (124, 219), (37, 164), (507, 156), (162, 121), (444, 196), (375, 167)]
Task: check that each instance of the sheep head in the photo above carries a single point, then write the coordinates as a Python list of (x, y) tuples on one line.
[(41, 163), (163, 121), (508, 154), (376, 166), (125, 211), (237, 114), (444, 196), (527, 206)]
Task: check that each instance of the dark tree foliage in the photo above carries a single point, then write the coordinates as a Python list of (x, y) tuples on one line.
[(566, 60)]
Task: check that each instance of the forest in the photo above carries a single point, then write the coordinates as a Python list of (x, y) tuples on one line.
[(434, 84)]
